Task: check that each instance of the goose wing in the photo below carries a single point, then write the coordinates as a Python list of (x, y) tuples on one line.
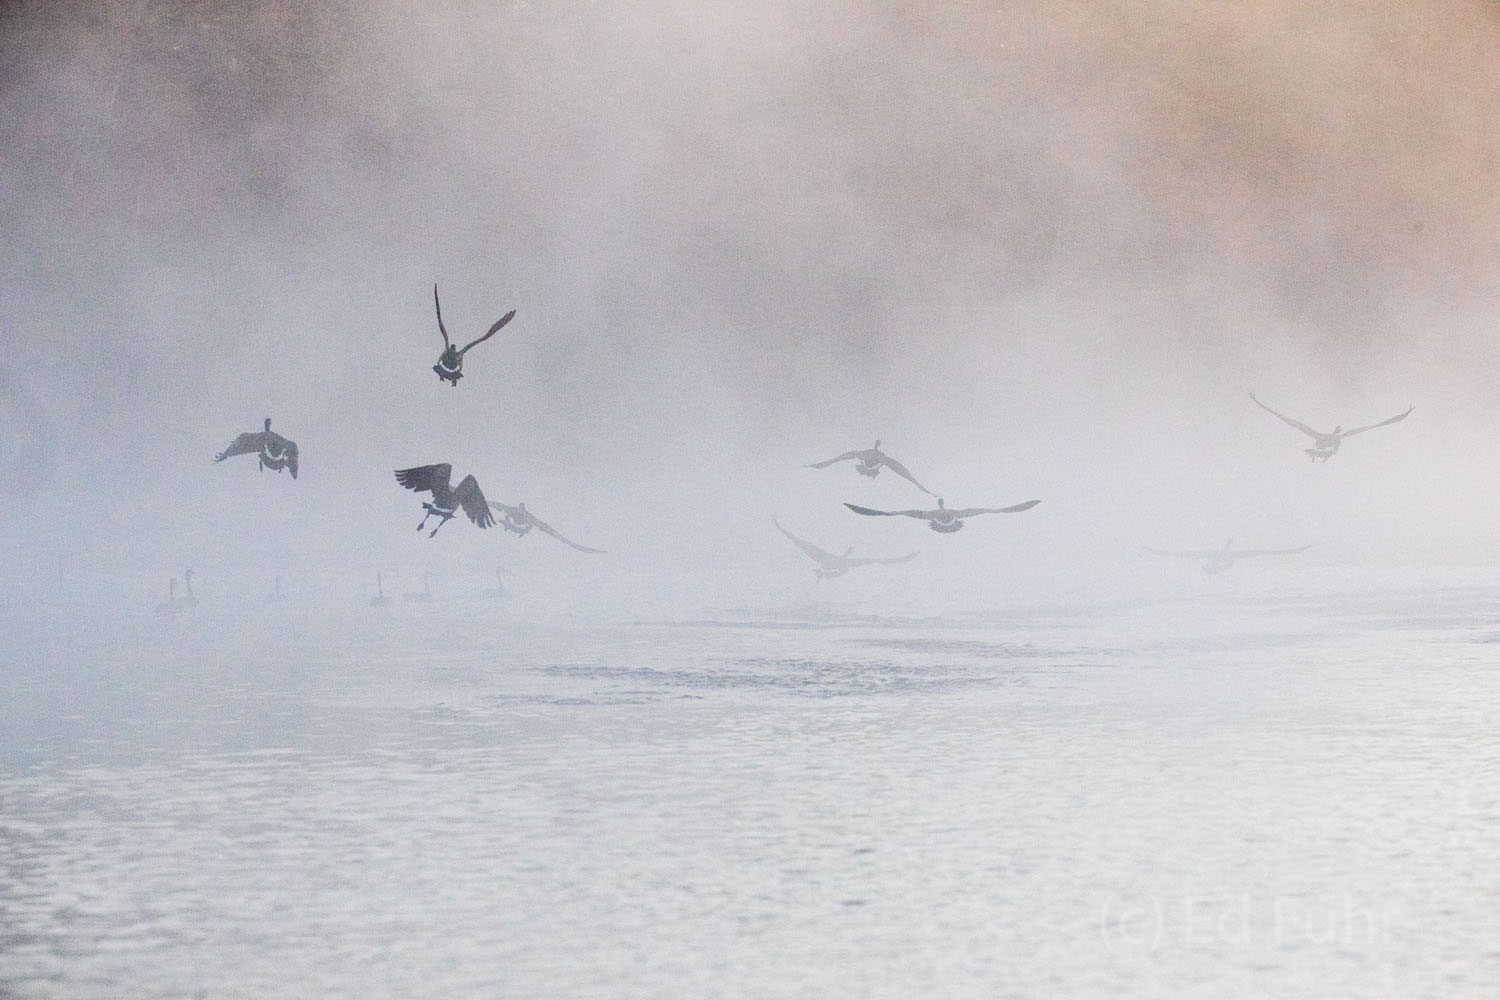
[(815, 553), (427, 477), (1013, 509), (441, 328), (1286, 419), (837, 458), (286, 448), (514, 513), (1388, 420), (543, 526), (1175, 554), (898, 559), (472, 501), (246, 444), (490, 332), (1246, 553), (869, 512), (901, 471)]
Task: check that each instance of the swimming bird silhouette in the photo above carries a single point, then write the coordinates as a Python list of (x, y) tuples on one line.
[(830, 565), (1218, 560), (186, 602), (379, 600), (498, 591), (869, 462), (451, 361), (944, 519), (1324, 445), (520, 520), (276, 452), (445, 499), (170, 606)]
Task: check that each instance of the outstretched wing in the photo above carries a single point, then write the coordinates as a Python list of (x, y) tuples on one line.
[(543, 526), (1246, 553), (923, 514), (426, 477), (899, 559), (1185, 555), (472, 501), (840, 458), (1371, 427), (247, 443), (490, 332), (291, 457), (1286, 419), (815, 553), (900, 470), (513, 513), (441, 328), (1015, 509)]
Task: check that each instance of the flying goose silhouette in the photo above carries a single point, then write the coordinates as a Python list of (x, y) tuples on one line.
[(445, 499), (520, 520), (276, 452), (451, 362), (869, 462), (1324, 445), (830, 565), (944, 519), (1218, 560)]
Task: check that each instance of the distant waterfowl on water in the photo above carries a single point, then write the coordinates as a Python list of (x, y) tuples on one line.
[(445, 500), (451, 362), (830, 565), (275, 452), (276, 596), (175, 604), (869, 462), (379, 600), (520, 520), (1325, 445), (1218, 560), (944, 519), (498, 591)]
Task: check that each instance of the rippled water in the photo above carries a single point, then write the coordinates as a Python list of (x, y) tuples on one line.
[(1205, 798)]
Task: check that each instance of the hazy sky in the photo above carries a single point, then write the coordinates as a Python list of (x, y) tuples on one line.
[(1040, 250)]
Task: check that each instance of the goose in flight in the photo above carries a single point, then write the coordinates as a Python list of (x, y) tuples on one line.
[(520, 520), (830, 565), (945, 519), (451, 362), (445, 499), (869, 462), (275, 451), (1324, 445), (1218, 560)]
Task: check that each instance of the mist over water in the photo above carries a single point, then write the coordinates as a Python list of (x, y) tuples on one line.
[(1039, 251)]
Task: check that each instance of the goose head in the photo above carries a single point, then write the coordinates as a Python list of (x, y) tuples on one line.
[(268, 425)]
